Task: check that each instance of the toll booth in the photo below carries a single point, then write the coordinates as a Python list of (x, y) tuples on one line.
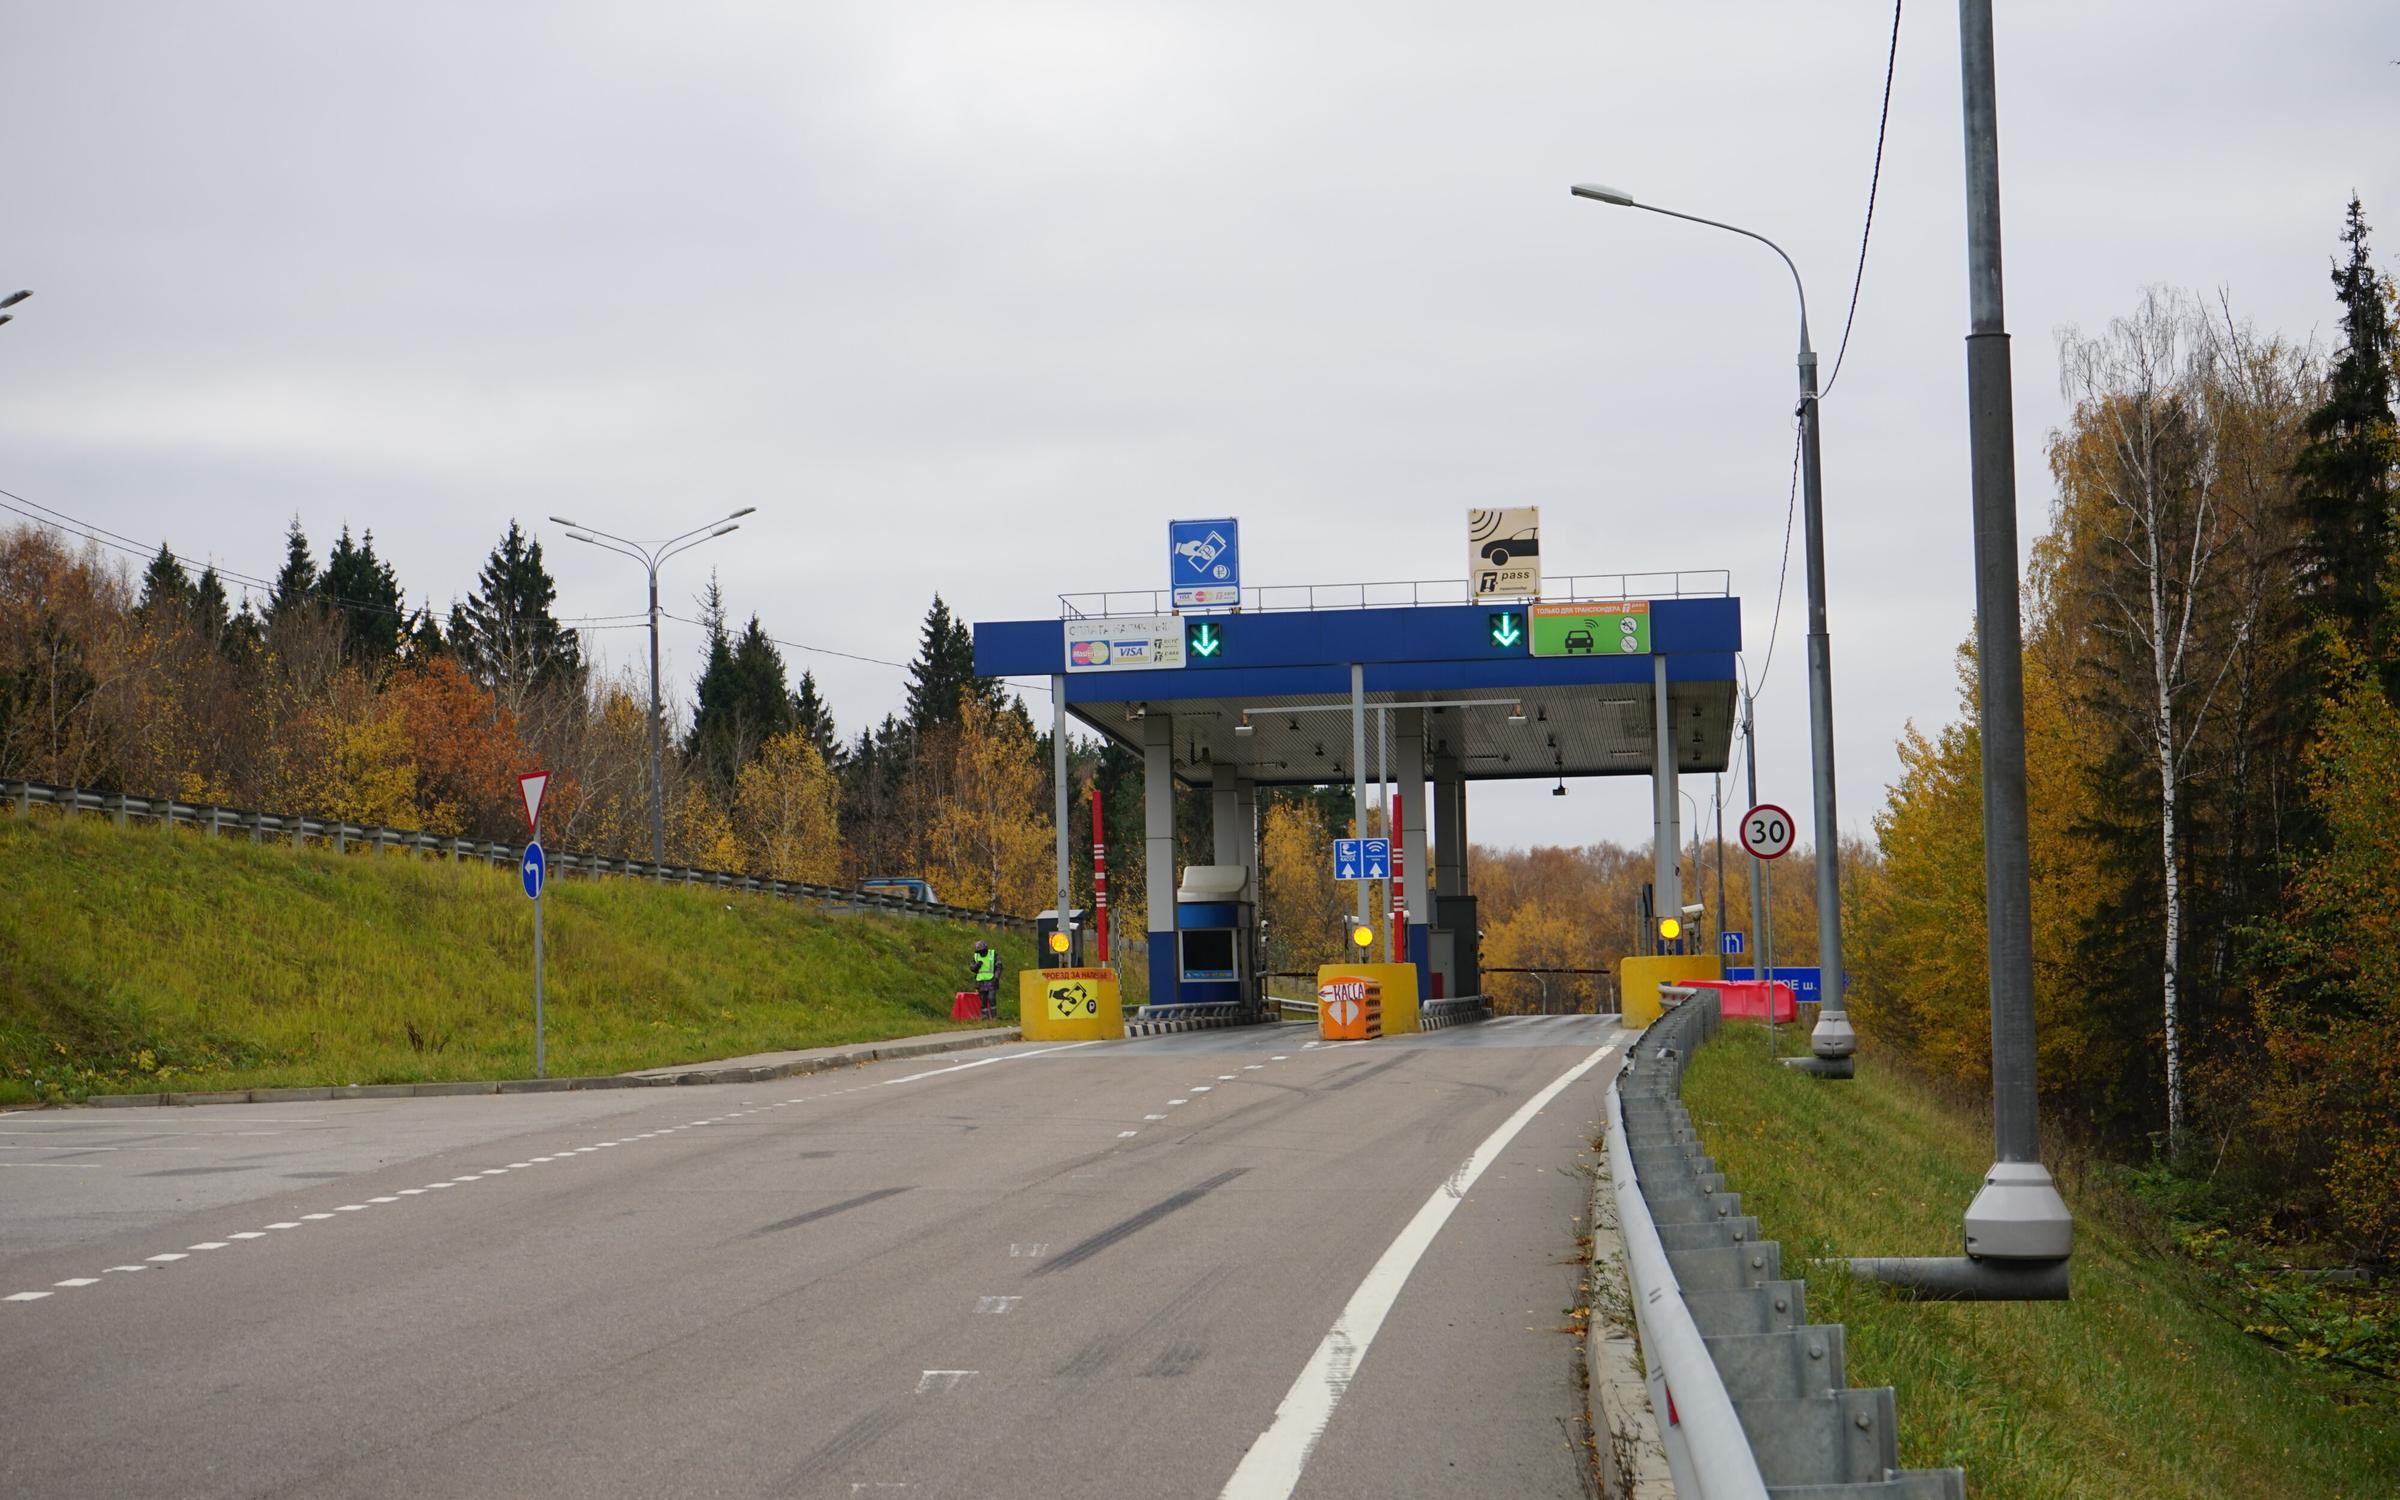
[(1216, 925), (1046, 924)]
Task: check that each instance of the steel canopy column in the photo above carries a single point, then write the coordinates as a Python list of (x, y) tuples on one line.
[(1666, 841), (1158, 844), (1224, 814), (1409, 752), (1058, 776), (1358, 790)]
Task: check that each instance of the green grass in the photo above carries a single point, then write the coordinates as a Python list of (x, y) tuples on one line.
[(2140, 1387), (138, 960)]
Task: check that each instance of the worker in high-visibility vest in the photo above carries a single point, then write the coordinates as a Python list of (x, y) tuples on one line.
[(987, 978)]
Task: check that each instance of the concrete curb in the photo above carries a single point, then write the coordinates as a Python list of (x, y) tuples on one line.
[(1630, 1455), (657, 1078)]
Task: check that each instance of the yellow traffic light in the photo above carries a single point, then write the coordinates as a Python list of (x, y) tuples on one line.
[(1670, 929), (1058, 942), (1363, 935)]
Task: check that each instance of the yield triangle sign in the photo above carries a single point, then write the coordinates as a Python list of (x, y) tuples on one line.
[(531, 785)]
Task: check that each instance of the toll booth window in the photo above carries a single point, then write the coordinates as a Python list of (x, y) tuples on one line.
[(1208, 953)]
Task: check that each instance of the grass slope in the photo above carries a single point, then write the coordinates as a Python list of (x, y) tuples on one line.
[(128, 957), (2135, 1389)]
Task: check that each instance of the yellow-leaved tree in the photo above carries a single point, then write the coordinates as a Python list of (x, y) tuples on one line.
[(786, 812), (990, 845), (1303, 912)]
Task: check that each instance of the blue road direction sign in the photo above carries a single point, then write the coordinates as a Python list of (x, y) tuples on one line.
[(1205, 560), (534, 868), (1362, 859), (1730, 943)]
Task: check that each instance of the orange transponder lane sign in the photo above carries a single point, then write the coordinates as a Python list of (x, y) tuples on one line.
[(1350, 1009)]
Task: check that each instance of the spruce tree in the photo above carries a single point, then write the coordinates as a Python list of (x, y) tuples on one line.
[(743, 700), (209, 605), (2343, 477), (364, 589), (166, 588), (296, 583), (505, 634), (812, 715), (944, 672)]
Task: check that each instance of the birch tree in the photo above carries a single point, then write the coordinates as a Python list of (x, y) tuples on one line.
[(2137, 477)]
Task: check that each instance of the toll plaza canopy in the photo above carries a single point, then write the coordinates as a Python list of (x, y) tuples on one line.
[(1492, 705), (1231, 700)]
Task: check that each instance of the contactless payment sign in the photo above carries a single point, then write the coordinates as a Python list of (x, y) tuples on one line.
[(1124, 644), (1612, 627)]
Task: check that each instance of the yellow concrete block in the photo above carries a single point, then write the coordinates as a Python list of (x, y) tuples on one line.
[(1069, 1005), (1399, 983), (1638, 979)]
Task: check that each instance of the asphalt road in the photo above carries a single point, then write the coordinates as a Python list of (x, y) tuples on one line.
[(1233, 1262)]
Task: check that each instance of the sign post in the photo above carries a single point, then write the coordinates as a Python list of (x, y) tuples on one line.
[(535, 870)]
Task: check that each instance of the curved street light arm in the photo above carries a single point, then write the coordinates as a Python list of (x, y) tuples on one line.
[(610, 545), (1797, 288), (674, 551), (624, 541)]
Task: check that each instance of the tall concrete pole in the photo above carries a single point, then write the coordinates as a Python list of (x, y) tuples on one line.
[(2019, 1214), (658, 719), (1058, 777), (1833, 1041)]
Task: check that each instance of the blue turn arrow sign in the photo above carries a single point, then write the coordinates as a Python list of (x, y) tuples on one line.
[(534, 868)]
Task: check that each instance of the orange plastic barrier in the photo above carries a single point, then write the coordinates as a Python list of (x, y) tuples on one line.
[(1746, 999), (1350, 1009)]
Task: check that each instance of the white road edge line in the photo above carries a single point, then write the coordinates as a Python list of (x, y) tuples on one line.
[(1272, 1468)]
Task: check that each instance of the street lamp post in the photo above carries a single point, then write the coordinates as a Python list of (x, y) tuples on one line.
[(650, 555), (11, 300), (1833, 1041)]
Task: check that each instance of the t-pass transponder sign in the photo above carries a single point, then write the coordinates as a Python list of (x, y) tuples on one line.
[(1504, 552), (1205, 560)]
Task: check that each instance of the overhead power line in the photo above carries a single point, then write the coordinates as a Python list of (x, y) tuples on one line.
[(1874, 181)]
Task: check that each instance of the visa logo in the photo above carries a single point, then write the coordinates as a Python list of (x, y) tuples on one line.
[(1131, 650)]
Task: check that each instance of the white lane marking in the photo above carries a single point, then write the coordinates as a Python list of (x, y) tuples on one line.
[(247, 1234), (1032, 1251), (171, 1255), (931, 1382), (24, 1297), (78, 1281), (1202, 1088), (1272, 1468), (429, 1187), (125, 1268), (410, 1192), (286, 1224), (1254, 1067), (1154, 1117), (996, 1304), (1281, 1057), (512, 1166), (351, 1208), (325, 1216), (1126, 1135), (385, 1199), (1229, 1077), (207, 1245)]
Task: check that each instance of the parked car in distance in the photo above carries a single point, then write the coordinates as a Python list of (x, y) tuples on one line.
[(906, 887)]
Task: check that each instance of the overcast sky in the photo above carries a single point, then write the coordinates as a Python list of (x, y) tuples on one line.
[(974, 297)]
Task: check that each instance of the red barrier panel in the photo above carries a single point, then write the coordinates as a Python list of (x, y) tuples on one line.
[(1746, 999)]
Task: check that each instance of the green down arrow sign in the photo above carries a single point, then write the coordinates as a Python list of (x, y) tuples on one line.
[(1507, 630), (1204, 639)]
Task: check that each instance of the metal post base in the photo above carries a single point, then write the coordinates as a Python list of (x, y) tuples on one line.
[(2018, 1215), (1832, 1036), (1962, 1278), (1823, 1067)]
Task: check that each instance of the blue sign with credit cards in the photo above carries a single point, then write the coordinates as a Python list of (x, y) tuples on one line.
[(1204, 558), (1729, 943), (534, 868)]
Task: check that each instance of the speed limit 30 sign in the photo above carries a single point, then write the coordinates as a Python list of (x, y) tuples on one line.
[(1767, 831)]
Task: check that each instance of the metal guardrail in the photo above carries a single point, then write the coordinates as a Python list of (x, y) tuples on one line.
[(1695, 583), (1752, 1397), (24, 795)]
